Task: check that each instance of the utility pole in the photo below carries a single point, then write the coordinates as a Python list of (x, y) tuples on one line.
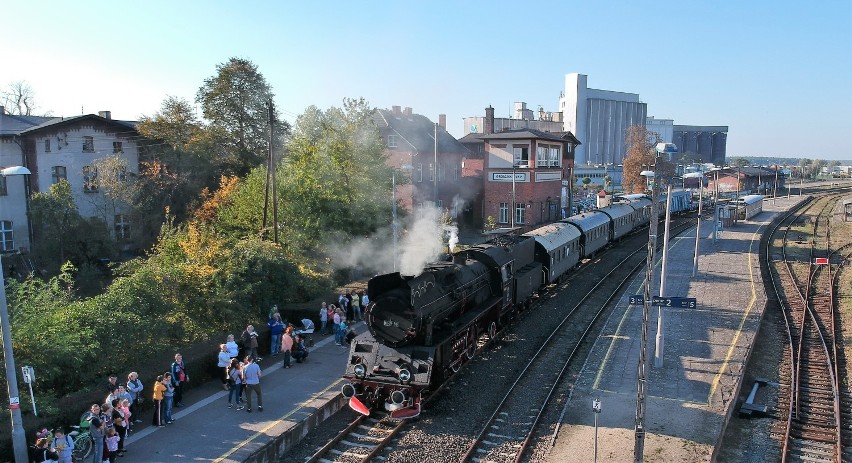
[(270, 179), (642, 383), (435, 193), (775, 188)]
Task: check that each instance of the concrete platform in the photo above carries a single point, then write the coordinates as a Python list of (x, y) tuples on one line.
[(295, 400), (691, 396)]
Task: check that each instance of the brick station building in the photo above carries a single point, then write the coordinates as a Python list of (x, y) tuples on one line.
[(526, 176)]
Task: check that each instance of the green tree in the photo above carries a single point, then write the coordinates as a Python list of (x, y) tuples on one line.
[(62, 235), (235, 102), (335, 181), (816, 167), (740, 162), (174, 124), (174, 168)]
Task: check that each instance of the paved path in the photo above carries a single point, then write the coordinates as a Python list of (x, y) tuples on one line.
[(705, 351), (206, 430)]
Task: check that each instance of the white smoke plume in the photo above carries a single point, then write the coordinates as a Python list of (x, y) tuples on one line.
[(420, 242), (452, 232)]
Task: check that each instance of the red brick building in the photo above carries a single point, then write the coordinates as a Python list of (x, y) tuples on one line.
[(526, 175), (746, 180), (434, 169)]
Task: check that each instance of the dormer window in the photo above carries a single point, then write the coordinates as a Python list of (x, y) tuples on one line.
[(391, 141)]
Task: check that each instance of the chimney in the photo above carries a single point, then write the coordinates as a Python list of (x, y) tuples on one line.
[(397, 111), (442, 121), (489, 120), (105, 114), (407, 112), (2, 110)]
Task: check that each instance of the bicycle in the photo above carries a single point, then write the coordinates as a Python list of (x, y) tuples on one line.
[(83, 442)]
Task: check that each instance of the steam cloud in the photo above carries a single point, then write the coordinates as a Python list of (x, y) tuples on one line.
[(420, 242)]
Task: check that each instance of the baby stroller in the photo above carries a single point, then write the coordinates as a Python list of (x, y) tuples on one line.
[(307, 329)]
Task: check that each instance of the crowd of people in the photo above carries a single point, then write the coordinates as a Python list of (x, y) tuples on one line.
[(110, 422)]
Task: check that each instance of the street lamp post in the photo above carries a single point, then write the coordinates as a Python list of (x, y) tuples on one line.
[(19, 440), (596, 408), (514, 206), (668, 149), (716, 207), (660, 344), (698, 222)]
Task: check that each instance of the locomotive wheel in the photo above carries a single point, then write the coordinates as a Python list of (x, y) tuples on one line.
[(492, 330), (471, 344)]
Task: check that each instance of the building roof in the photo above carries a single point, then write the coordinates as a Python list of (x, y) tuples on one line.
[(13, 125), (417, 133), (747, 171), (57, 121), (472, 138), (532, 134)]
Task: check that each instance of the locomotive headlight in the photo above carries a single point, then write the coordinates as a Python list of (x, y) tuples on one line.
[(397, 397), (361, 370), (404, 375)]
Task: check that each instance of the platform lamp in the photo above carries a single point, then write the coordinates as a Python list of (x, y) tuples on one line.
[(664, 149), (19, 440), (700, 177)]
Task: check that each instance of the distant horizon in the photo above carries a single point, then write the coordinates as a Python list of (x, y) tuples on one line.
[(776, 74)]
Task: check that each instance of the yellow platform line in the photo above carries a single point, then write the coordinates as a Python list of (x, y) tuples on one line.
[(716, 379), (275, 423)]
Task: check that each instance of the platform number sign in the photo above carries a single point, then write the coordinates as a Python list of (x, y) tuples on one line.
[(682, 302), (679, 302), (596, 405)]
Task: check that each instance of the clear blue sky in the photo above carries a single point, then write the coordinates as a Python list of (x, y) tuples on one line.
[(778, 73)]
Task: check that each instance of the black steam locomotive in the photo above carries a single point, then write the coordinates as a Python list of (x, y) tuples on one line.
[(423, 329)]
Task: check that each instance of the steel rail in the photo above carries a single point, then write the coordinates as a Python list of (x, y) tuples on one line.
[(555, 335)]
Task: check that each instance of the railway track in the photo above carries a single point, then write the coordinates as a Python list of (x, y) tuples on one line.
[(361, 441), (810, 396), (509, 430), (372, 438)]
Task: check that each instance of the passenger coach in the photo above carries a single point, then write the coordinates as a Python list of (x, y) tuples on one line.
[(749, 206)]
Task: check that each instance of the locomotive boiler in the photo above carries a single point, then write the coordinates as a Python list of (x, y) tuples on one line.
[(416, 310)]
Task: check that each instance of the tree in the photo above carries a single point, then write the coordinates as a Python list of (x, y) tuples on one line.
[(113, 185), (641, 156), (740, 162), (19, 98), (62, 234), (336, 178), (175, 166), (816, 167), (236, 102), (175, 124)]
